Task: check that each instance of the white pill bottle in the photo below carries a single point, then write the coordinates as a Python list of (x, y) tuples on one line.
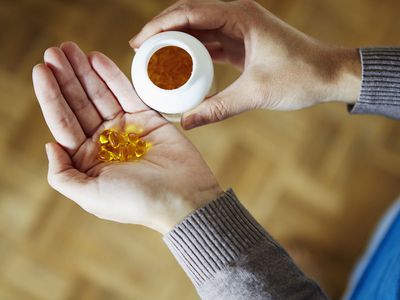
[(172, 72)]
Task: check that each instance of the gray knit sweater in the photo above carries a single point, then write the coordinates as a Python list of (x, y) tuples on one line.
[(228, 255)]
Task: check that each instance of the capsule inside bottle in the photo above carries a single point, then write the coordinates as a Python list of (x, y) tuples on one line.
[(170, 67)]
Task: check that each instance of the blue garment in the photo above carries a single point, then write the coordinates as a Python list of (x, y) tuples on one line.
[(378, 274)]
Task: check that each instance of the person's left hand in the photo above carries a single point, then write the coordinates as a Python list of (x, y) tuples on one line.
[(80, 96)]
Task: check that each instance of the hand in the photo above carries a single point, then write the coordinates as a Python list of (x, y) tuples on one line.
[(283, 69), (81, 96)]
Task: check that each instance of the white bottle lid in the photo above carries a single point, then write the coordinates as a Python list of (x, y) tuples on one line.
[(185, 97)]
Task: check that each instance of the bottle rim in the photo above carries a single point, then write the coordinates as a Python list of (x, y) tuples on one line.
[(193, 90)]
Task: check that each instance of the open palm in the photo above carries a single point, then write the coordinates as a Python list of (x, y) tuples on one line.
[(80, 96)]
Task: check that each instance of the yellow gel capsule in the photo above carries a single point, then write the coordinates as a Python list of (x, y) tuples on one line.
[(130, 149), (114, 152), (141, 144), (105, 155), (139, 152), (121, 146), (133, 138), (103, 139), (170, 67), (122, 154), (114, 139), (123, 139), (107, 147)]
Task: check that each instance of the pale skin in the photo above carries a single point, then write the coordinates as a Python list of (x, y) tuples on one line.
[(81, 95), (282, 68)]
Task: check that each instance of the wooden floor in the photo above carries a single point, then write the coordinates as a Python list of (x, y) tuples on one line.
[(317, 179)]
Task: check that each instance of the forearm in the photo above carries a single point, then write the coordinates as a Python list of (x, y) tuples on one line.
[(228, 255)]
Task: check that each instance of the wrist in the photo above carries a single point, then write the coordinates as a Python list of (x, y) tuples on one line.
[(184, 204), (344, 68)]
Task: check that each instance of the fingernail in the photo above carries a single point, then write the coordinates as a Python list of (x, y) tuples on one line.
[(131, 43), (192, 121)]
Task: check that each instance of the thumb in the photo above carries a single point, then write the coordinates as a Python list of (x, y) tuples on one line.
[(234, 100), (59, 160), (63, 177)]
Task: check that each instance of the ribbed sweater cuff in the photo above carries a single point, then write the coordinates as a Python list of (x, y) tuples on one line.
[(380, 89), (213, 236)]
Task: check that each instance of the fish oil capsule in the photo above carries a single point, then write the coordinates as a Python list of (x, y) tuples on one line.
[(114, 139), (107, 147), (130, 149), (122, 153), (170, 67), (114, 152), (141, 144), (105, 155), (103, 138), (139, 152), (123, 139), (121, 146), (133, 137)]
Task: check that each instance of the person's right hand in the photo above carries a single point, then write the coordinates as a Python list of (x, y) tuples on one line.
[(283, 69)]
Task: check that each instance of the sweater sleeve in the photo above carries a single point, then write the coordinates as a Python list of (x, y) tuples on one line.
[(380, 88), (228, 255)]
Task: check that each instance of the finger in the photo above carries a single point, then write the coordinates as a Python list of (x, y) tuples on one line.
[(199, 15), (229, 102), (72, 90), (117, 82), (63, 177), (168, 9), (95, 88), (62, 122), (205, 36)]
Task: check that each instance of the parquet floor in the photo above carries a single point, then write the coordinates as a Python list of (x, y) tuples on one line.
[(317, 179)]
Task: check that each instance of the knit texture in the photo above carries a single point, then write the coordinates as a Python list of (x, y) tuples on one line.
[(229, 256), (213, 236), (380, 90)]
